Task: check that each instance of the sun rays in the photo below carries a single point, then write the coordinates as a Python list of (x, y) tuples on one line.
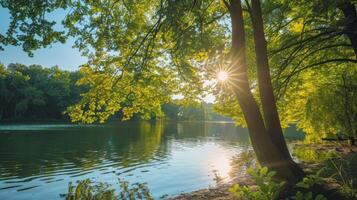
[(222, 76), (227, 75)]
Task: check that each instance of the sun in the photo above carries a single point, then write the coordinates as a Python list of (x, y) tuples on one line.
[(222, 76)]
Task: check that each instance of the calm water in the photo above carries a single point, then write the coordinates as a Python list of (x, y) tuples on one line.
[(38, 161)]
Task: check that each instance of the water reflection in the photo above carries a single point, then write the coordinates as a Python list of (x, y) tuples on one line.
[(27, 153), (38, 162)]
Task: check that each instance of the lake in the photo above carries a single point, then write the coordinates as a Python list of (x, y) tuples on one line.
[(37, 161)]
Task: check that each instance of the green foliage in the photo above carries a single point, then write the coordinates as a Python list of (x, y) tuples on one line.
[(323, 103), (141, 53), (192, 113), (310, 155), (307, 196), (344, 178), (36, 30), (227, 105), (267, 188), (46, 93), (87, 190), (136, 191), (310, 180), (306, 36), (313, 65), (304, 187), (36, 92), (338, 170)]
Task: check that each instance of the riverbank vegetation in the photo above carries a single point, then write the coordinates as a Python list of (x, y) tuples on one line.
[(269, 64)]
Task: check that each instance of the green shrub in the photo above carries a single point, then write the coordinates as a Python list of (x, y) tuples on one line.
[(304, 188), (87, 190), (310, 180), (344, 178), (266, 189), (307, 196)]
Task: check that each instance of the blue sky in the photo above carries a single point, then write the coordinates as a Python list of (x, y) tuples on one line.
[(59, 54)]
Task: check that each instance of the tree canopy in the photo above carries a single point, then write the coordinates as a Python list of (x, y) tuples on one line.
[(37, 92), (141, 53)]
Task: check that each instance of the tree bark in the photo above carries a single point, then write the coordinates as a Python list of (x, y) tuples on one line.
[(270, 111), (349, 11), (271, 117), (267, 152)]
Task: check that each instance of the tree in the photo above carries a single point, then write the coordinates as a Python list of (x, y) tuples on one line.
[(349, 11), (171, 111), (271, 117), (308, 35), (324, 103), (5, 93), (32, 92), (192, 113), (144, 52), (17, 82), (269, 146), (58, 91), (310, 45)]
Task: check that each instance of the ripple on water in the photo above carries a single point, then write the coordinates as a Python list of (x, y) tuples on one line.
[(9, 187), (27, 188), (171, 158)]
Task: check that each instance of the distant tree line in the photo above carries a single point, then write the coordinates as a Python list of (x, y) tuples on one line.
[(200, 112), (34, 92)]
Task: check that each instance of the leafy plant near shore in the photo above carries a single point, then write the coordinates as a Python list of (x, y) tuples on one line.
[(87, 190), (310, 155), (136, 191), (304, 188), (344, 179), (267, 189), (307, 196)]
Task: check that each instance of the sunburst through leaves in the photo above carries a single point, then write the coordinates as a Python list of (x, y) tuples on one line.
[(222, 73)]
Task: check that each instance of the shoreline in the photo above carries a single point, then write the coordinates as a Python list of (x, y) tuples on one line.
[(332, 189)]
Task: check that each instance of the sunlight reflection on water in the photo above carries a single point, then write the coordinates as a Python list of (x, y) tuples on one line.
[(38, 161)]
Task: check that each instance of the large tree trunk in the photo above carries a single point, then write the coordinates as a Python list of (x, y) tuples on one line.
[(267, 152), (349, 11), (271, 116)]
